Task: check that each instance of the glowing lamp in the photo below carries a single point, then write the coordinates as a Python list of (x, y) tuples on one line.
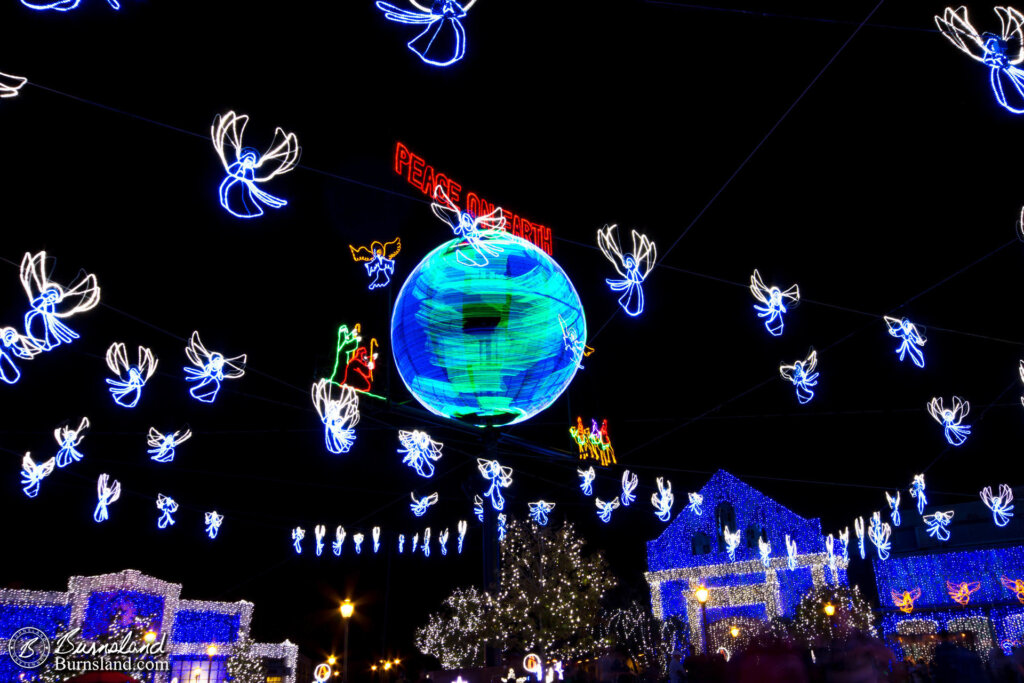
[(149, 636), (701, 594), (211, 650), (387, 666), (830, 609), (332, 660), (484, 344), (734, 631), (347, 608), (373, 668)]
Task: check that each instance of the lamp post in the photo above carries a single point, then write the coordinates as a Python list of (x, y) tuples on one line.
[(830, 611), (702, 595), (347, 608)]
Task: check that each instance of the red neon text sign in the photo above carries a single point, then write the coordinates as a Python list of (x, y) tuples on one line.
[(418, 173)]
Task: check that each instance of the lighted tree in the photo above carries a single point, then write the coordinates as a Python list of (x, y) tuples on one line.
[(638, 634), (457, 634), (245, 665), (812, 625)]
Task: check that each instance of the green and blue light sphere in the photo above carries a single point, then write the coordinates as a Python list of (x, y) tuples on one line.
[(484, 345)]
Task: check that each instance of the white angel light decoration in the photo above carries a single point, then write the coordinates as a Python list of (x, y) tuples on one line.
[(540, 510), (858, 527), (894, 506), (663, 499), (587, 477), (401, 543), (68, 440), (1001, 54), (938, 524), (421, 452), (478, 507), (500, 478), (358, 540), (14, 345), (482, 237), (50, 303), (32, 474), (339, 415), (213, 521), (951, 419), (790, 553), (442, 540), (106, 493), (764, 549), (696, 500), (376, 539), (801, 374), (605, 509), (339, 541), (912, 339), (732, 541), (419, 506), (463, 528), (127, 388), (298, 533), (634, 267), (1000, 505), (844, 538), (442, 42), (162, 446), (167, 507), (426, 542), (238, 192), (879, 534), (319, 531), (629, 484), (917, 488), (774, 302), (10, 86), (214, 368)]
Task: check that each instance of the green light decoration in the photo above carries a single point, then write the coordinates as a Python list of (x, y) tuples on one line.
[(484, 344)]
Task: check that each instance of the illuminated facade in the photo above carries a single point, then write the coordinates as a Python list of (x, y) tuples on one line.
[(965, 584), (692, 552), (191, 626)]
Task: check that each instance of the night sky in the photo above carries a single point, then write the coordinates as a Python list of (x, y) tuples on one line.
[(891, 187)]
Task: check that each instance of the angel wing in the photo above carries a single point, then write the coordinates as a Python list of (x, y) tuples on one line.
[(957, 29), (117, 358), (392, 248), (495, 220), (1011, 21), (147, 363), (228, 128), (234, 367), (281, 157), (195, 351), (758, 289), (38, 471), (811, 362), (82, 296), (10, 84), (404, 16), (361, 254), (444, 208), (610, 248), (645, 253)]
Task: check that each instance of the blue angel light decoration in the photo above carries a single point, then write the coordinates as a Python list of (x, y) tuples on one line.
[(587, 477), (63, 5), (339, 415), (540, 510), (951, 419), (214, 368), (419, 505), (830, 548), (774, 303), (502, 526), (415, 542), (421, 452), (500, 478), (844, 538), (167, 507), (106, 493), (32, 474), (917, 492), (605, 509), (573, 344), (911, 339), (379, 261), (634, 267), (894, 506), (127, 388), (162, 446), (319, 531), (298, 533), (50, 303), (790, 553), (663, 500), (1000, 505), (358, 539), (478, 508), (442, 540), (764, 549), (11, 85), (245, 166), (213, 521), (442, 42), (858, 527), (68, 440), (426, 542), (803, 376), (339, 541), (376, 539), (879, 534), (401, 543), (732, 541), (482, 237), (696, 500), (14, 345), (1001, 54), (463, 528), (629, 484), (938, 524)]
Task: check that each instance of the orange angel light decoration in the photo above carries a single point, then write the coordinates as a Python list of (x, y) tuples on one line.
[(961, 592), (1016, 585), (905, 600)]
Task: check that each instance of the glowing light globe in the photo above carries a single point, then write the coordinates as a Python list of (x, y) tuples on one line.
[(484, 344)]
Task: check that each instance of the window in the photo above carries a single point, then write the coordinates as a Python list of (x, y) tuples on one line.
[(755, 532), (725, 516), (701, 544), (275, 679), (199, 670)]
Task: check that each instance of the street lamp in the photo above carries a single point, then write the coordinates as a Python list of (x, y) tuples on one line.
[(347, 608), (332, 660), (702, 596), (735, 631), (830, 609)]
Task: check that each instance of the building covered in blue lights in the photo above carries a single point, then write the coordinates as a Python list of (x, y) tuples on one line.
[(743, 591), (967, 584), (191, 627)]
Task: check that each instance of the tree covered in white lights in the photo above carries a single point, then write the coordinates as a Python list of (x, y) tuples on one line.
[(549, 602), (811, 625), (244, 665), (636, 632)]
